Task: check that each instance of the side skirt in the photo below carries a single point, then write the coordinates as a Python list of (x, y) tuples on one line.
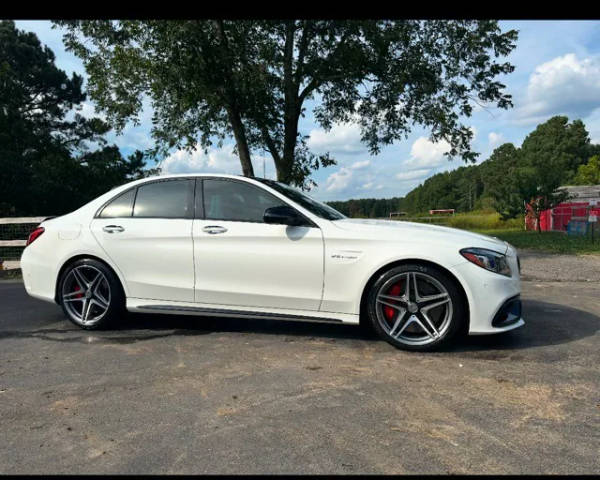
[(138, 305)]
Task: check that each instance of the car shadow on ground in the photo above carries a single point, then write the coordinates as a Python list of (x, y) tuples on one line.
[(545, 324)]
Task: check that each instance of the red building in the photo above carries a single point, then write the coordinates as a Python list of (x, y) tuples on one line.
[(584, 201)]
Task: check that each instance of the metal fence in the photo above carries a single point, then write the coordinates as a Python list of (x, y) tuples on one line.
[(13, 237)]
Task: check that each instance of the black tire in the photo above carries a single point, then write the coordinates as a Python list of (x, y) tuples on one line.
[(391, 327), (106, 303)]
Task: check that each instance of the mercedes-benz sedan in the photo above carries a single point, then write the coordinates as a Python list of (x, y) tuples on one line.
[(221, 245)]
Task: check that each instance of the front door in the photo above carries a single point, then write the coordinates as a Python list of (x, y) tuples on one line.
[(242, 261)]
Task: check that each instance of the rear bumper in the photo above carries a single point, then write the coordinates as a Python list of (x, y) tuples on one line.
[(36, 274)]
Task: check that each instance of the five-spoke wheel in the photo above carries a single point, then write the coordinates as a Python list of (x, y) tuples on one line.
[(415, 307), (90, 294)]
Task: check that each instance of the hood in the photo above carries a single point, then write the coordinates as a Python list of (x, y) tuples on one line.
[(397, 230)]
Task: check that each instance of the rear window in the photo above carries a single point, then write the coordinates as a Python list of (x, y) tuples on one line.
[(119, 207)]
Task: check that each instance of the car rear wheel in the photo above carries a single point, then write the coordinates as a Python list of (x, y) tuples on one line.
[(416, 307), (90, 294)]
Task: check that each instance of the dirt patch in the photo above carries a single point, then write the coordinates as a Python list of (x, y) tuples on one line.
[(559, 268)]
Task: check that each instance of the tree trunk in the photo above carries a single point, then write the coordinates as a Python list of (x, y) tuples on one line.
[(241, 142), (233, 112), (290, 115)]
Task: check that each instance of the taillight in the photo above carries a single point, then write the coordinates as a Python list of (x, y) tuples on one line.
[(35, 234)]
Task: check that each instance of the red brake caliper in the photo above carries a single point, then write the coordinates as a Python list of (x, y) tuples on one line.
[(77, 288), (389, 311)]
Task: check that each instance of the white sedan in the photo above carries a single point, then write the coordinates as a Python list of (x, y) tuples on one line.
[(222, 245)]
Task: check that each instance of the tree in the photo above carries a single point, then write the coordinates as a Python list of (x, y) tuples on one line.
[(46, 157), (550, 157), (556, 148), (589, 173), (208, 80), (499, 174)]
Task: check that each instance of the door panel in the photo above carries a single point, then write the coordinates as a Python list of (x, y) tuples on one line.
[(257, 264), (147, 232), (154, 255)]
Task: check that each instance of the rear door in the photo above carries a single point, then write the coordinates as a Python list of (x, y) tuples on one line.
[(147, 232), (242, 261)]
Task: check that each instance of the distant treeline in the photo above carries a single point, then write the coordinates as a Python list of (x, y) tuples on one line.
[(502, 182)]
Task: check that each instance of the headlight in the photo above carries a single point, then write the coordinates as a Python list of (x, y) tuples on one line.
[(488, 259)]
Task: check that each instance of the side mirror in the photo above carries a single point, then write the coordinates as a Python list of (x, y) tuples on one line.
[(283, 215)]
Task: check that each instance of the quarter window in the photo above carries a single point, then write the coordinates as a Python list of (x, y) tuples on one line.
[(120, 206), (165, 199), (236, 201)]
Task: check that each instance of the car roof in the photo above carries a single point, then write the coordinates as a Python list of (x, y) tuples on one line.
[(188, 175)]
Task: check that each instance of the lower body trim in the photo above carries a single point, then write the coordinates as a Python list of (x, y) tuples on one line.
[(219, 312)]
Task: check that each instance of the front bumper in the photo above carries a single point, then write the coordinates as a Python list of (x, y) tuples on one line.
[(509, 313), (494, 300)]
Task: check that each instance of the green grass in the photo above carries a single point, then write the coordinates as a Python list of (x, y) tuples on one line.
[(553, 242), (489, 223), (482, 220)]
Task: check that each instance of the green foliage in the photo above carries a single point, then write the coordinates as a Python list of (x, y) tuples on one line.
[(482, 220), (550, 156), (589, 173), (510, 178), (552, 242), (46, 160), (250, 79)]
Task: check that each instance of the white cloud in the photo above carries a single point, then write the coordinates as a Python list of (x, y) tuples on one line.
[(215, 160), (88, 110), (360, 164), (342, 138), (495, 139), (565, 85), (412, 174), (339, 180), (425, 153)]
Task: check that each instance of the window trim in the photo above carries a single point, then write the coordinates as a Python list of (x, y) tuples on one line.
[(136, 187), (308, 222), (199, 195)]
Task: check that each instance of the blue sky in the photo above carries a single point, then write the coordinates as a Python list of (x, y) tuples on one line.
[(557, 71)]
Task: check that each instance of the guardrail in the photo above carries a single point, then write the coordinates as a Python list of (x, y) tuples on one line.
[(13, 238)]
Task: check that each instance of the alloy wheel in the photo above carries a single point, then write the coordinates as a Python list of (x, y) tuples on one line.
[(86, 294), (414, 308)]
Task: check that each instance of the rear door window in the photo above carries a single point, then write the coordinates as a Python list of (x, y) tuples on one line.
[(165, 199)]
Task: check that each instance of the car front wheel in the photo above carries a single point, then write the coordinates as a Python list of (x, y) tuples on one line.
[(416, 307), (90, 294)]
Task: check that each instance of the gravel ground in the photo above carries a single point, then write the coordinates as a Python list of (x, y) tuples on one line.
[(551, 267)]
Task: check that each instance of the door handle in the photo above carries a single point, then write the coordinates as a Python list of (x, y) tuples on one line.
[(113, 228), (214, 229)]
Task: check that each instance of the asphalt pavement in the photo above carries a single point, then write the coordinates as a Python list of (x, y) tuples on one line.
[(174, 394)]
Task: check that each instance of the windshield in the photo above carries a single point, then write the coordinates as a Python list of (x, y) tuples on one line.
[(319, 209)]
